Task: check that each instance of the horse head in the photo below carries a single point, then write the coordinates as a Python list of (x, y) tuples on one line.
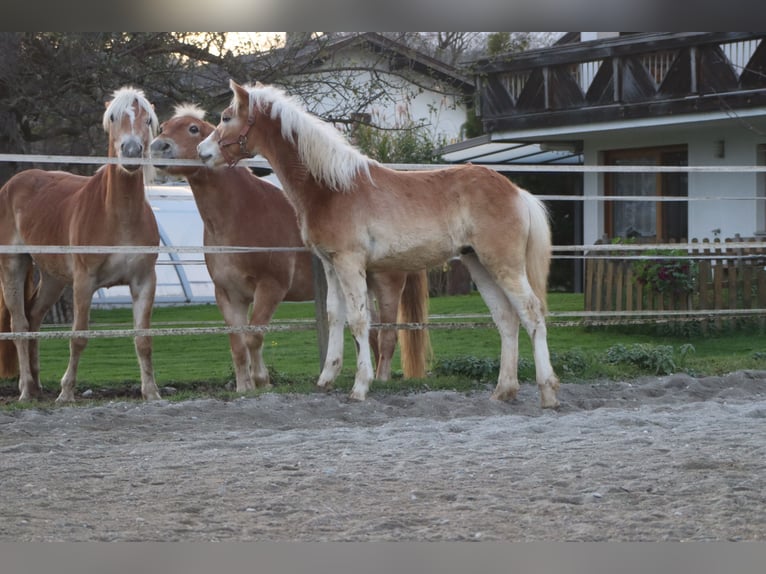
[(230, 143), (179, 137), (131, 123)]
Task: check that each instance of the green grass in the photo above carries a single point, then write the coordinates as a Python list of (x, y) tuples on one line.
[(202, 363)]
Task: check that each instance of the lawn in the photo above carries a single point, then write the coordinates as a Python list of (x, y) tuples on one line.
[(579, 353)]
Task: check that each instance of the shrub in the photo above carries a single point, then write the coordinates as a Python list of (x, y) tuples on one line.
[(658, 359)]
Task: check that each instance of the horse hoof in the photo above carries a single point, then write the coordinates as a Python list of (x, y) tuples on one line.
[(504, 396), (357, 396), (548, 392), (65, 398), (548, 402)]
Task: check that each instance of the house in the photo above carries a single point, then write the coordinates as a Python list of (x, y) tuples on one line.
[(368, 78), (637, 99)]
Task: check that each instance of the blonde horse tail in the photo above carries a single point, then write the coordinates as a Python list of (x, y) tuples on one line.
[(415, 344), (539, 246), (9, 359)]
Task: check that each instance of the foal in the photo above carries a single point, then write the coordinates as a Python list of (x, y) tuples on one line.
[(40, 207), (358, 215)]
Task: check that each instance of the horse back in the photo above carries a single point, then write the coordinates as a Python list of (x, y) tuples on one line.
[(36, 206)]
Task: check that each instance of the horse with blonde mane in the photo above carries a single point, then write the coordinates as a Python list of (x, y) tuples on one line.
[(56, 208), (240, 209), (359, 215)]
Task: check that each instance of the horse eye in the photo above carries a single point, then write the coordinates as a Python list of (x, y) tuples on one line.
[(111, 117), (159, 130), (193, 130), (148, 121), (225, 119)]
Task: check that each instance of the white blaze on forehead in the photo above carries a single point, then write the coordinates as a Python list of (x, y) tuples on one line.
[(122, 103)]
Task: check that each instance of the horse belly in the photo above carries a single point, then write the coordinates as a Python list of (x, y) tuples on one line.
[(405, 257), (122, 269)]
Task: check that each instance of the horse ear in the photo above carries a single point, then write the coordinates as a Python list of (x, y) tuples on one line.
[(239, 92), (259, 85)]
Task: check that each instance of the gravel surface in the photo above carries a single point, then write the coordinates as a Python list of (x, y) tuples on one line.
[(669, 458)]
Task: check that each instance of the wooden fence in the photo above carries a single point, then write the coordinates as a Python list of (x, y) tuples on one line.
[(718, 278)]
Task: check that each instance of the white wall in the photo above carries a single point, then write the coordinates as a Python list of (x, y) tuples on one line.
[(404, 101), (730, 217)]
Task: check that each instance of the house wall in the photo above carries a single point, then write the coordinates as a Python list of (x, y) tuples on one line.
[(408, 97), (745, 217)]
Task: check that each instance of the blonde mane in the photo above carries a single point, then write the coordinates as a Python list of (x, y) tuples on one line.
[(192, 110), (122, 103), (326, 153)]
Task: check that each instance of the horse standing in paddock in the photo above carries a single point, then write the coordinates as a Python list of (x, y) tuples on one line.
[(240, 209), (40, 207), (358, 215)]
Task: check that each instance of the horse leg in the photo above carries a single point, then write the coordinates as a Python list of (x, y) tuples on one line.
[(374, 318), (14, 271), (516, 286), (388, 289), (336, 319), (235, 315), (48, 293), (142, 291), (507, 321), (82, 293), (268, 295), (352, 279)]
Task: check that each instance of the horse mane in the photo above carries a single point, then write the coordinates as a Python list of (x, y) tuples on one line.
[(326, 153), (122, 102), (192, 110)]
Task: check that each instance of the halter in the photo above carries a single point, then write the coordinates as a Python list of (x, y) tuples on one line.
[(241, 140)]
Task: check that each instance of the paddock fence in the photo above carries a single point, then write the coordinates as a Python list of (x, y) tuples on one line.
[(730, 276)]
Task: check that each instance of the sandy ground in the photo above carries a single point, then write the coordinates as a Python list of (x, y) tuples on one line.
[(671, 458)]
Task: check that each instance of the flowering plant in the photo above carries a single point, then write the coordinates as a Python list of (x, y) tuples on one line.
[(665, 275)]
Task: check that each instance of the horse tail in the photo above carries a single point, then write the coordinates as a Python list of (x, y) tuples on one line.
[(414, 344), (9, 358), (539, 246)]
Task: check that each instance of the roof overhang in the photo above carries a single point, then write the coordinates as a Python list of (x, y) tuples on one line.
[(660, 122), (493, 149)]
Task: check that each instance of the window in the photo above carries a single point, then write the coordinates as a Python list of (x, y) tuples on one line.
[(647, 220)]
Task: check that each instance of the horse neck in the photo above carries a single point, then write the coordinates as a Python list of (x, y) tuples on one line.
[(288, 166), (124, 192), (213, 190)]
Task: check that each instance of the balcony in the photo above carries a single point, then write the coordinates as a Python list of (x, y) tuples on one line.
[(629, 77)]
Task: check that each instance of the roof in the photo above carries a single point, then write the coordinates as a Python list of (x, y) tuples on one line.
[(484, 149)]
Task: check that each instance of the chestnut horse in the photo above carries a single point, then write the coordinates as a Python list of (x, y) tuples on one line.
[(240, 209), (54, 208), (358, 215)]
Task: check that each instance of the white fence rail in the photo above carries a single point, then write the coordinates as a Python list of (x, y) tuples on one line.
[(580, 252)]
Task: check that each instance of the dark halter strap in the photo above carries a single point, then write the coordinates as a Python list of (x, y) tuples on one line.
[(241, 140)]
